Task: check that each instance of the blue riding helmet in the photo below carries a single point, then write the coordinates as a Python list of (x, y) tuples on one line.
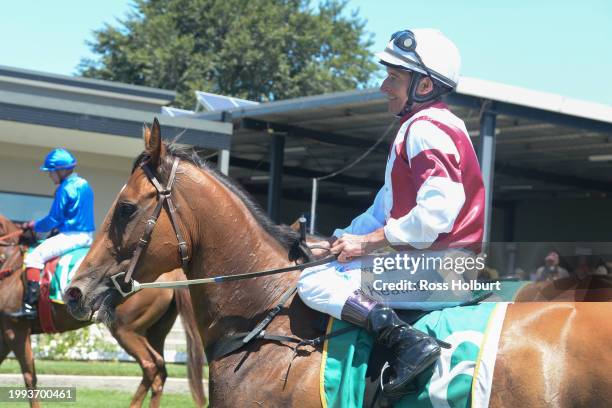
[(59, 159)]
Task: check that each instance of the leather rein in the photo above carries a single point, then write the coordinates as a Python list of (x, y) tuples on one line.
[(126, 285), (13, 234)]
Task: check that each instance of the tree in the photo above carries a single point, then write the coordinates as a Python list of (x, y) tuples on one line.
[(255, 49)]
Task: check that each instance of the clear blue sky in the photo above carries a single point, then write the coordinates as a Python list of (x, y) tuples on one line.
[(555, 46)]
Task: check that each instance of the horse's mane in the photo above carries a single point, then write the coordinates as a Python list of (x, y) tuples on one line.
[(6, 225), (289, 239)]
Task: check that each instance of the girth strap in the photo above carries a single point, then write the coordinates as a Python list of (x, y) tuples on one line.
[(232, 343)]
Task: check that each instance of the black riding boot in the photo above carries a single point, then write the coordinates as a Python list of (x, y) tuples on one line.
[(30, 299), (414, 350)]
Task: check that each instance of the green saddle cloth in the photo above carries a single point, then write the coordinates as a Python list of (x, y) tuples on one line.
[(64, 271), (345, 360)]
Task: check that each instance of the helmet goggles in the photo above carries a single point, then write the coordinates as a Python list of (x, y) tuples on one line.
[(406, 41)]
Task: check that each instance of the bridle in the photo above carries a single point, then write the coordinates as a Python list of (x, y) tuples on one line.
[(124, 282), (164, 196)]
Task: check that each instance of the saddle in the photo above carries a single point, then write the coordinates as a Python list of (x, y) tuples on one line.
[(380, 355), (45, 306), (55, 277)]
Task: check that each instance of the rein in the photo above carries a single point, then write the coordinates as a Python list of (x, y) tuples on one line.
[(8, 236), (136, 286)]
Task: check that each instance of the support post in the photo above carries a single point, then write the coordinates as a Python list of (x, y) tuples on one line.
[(487, 165), (313, 206), (277, 146), (223, 162), (511, 246)]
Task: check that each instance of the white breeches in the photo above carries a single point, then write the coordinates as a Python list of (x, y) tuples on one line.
[(327, 287), (56, 246)]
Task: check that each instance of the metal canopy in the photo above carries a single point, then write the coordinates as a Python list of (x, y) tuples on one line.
[(542, 149)]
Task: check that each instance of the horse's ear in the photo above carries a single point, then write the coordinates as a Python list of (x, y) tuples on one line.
[(146, 132), (153, 143)]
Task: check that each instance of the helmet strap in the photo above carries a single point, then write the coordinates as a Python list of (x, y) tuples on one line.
[(415, 78), (413, 97)]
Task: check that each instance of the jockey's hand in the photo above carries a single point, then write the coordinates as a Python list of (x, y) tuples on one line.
[(320, 248), (350, 246), (27, 225)]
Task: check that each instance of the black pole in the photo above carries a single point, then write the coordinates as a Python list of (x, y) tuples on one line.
[(487, 164), (277, 152)]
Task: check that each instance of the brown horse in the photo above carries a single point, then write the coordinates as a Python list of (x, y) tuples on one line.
[(142, 324), (592, 288), (551, 354)]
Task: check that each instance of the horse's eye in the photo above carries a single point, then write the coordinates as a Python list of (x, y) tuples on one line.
[(126, 210)]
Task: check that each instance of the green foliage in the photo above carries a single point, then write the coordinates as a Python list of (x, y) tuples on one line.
[(255, 49), (75, 344)]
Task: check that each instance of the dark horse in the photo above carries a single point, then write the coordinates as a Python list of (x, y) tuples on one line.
[(141, 327), (550, 354)]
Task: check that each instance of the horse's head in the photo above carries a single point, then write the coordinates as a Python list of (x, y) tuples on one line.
[(129, 240)]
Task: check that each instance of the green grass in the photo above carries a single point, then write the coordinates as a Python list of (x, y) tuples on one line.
[(10, 366), (107, 399)]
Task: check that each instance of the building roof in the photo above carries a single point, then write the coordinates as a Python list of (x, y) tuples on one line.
[(544, 141), (40, 107), (81, 85)]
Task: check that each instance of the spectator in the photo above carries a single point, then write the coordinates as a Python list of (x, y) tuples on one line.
[(601, 269), (551, 269)]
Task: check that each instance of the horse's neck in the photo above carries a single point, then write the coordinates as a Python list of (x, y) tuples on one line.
[(11, 287), (7, 226), (232, 243)]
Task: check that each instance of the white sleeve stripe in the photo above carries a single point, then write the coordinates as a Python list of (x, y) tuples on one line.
[(424, 135)]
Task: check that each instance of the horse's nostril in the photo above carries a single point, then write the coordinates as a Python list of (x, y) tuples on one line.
[(74, 294)]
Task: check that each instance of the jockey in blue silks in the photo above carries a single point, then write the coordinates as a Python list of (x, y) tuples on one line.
[(72, 213)]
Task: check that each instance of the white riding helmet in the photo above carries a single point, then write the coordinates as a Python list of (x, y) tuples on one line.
[(426, 51)]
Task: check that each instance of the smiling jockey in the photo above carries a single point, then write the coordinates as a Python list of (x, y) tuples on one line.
[(72, 213), (433, 196)]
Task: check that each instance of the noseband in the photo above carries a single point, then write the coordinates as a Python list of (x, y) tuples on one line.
[(164, 196)]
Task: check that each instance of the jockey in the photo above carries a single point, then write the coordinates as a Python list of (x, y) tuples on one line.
[(71, 213), (433, 194)]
